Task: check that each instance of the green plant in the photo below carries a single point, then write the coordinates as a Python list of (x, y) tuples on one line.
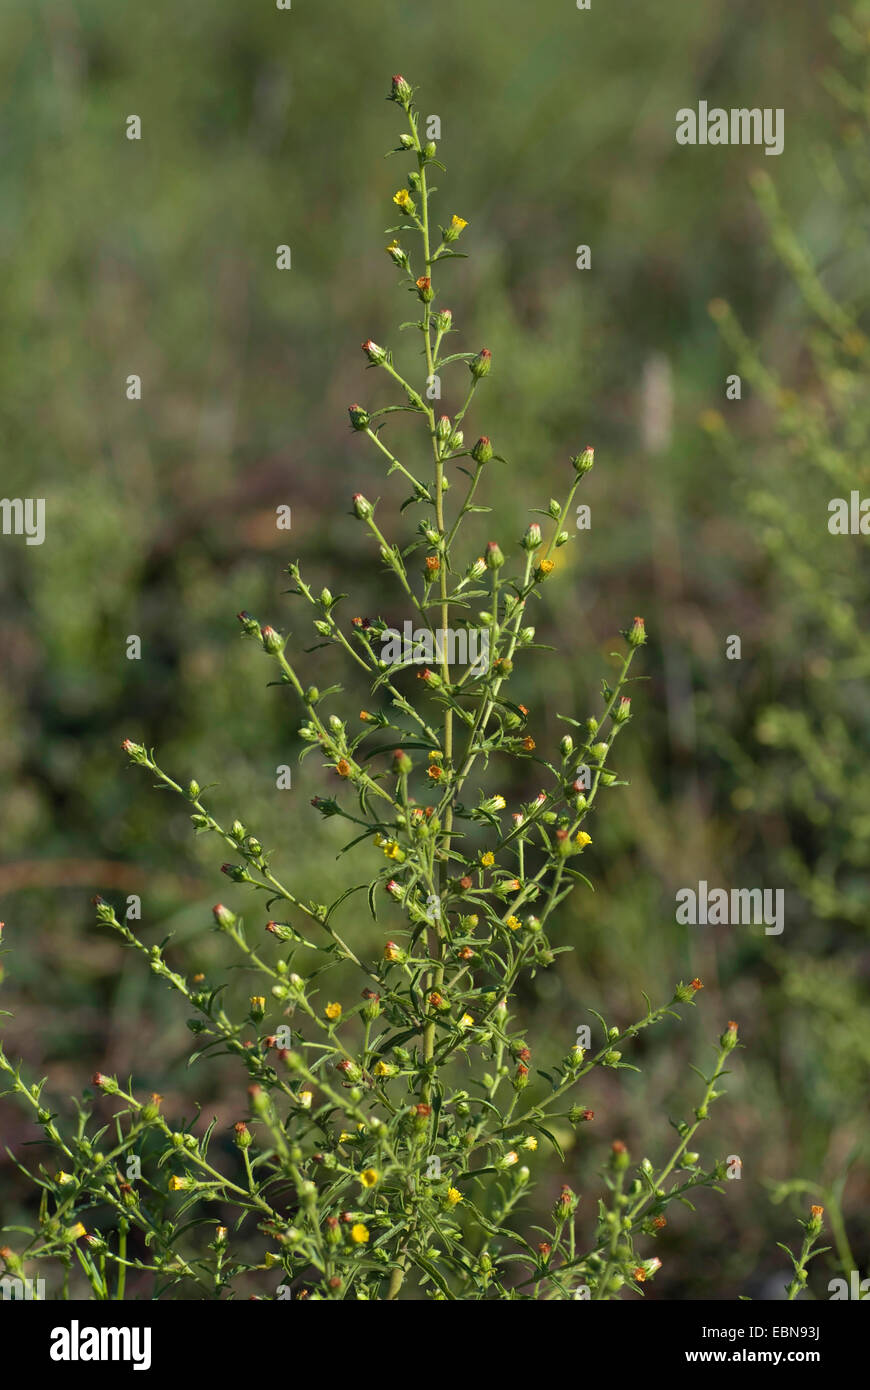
[(382, 1150), (808, 1251)]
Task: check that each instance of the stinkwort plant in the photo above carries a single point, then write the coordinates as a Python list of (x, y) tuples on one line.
[(384, 1145)]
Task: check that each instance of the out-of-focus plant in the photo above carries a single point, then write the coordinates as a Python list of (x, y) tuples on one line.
[(799, 777)]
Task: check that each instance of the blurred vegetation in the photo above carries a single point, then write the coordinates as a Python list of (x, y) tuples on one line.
[(710, 516)]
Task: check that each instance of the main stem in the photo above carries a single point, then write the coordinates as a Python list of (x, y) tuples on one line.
[(435, 930)]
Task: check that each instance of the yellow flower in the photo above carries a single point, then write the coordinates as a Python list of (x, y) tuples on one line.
[(513, 922), (487, 860), (177, 1184), (458, 223), (74, 1232), (547, 566), (454, 1196), (498, 802), (305, 1099), (531, 1143), (582, 838), (385, 1069), (368, 1177), (359, 1233), (466, 1021), (402, 199), (511, 1157), (63, 1177), (333, 1012), (258, 1003), (344, 1136)]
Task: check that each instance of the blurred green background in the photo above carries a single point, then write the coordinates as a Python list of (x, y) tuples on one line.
[(709, 517)]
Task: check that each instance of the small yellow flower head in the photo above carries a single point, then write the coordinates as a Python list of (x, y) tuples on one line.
[(63, 1177), (368, 1177), (403, 200), (258, 1004), (466, 1021), (305, 1099), (531, 1143), (498, 802), (177, 1184), (582, 838), (77, 1231), (817, 1213), (546, 567), (510, 1158), (385, 1069), (344, 1136), (513, 922), (487, 860), (333, 1012), (454, 1196), (359, 1233), (459, 223)]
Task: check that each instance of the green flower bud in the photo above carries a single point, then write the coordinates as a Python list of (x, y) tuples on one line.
[(481, 364), (494, 556), (482, 450), (272, 641)]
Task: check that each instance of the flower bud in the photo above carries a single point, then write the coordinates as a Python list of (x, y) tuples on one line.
[(480, 365), (373, 352), (482, 451), (273, 642), (622, 711), (583, 462), (636, 634), (243, 1135), (532, 539), (619, 1157), (401, 91), (494, 556), (402, 764), (455, 230), (362, 508), (222, 915), (814, 1225), (443, 320), (566, 746), (359, 418), (728, 1040), (280, 931)]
